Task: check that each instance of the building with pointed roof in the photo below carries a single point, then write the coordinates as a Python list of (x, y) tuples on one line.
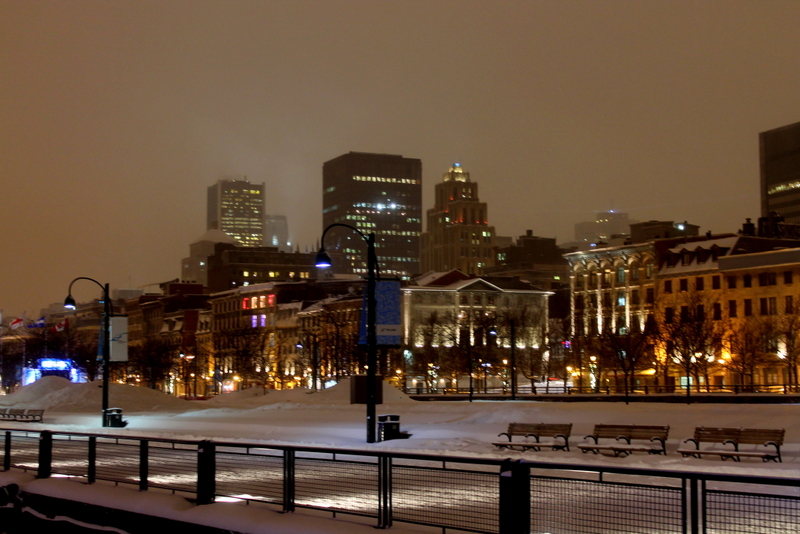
[(458, 234)]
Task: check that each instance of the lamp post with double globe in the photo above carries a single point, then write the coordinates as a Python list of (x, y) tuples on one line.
[(324, 260)]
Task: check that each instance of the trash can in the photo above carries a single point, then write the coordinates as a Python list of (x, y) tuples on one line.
[(388, 427), (114, 418)]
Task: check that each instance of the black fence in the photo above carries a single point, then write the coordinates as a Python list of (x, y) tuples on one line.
[(561, 388), (451, 493)]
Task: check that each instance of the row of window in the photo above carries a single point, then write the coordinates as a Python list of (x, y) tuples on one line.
[(732, 282), (386, 180), (619, 275), (621, 298), (765, 306), (261, 320), (254, 303)]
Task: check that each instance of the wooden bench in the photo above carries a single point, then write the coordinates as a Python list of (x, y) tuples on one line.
[(31, 416), (12, 414), (763, 437), (558, 431), (623, 435), (19, 414)]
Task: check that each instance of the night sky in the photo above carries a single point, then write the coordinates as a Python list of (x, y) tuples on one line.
[(115, 116)]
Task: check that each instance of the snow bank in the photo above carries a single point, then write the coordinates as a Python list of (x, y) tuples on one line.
[(59, 394)]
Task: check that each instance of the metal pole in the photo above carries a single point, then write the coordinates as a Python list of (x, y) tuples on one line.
[(513, 363), (106, 349), (315, 361), (372, 339), (469, 360)]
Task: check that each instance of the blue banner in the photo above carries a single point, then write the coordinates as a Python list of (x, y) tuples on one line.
[(387, 314)]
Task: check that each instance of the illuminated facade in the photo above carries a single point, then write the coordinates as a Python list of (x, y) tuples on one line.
[(612, 288), (780, 172), (237, 208), (458, 234), (378, 193)]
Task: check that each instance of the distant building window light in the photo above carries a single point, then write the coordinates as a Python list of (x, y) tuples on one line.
[(254, 321), (782, 188), (382, 179), (245, 303)]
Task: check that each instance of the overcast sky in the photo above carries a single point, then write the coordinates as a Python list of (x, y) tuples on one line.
[(116, 116)]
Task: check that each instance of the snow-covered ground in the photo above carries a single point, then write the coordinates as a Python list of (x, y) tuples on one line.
[(327, 419)]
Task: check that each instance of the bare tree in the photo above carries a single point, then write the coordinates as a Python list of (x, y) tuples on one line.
[(789, 330), (753, 343), (151, 360), (247, 354), (688, 332), (625, 352)]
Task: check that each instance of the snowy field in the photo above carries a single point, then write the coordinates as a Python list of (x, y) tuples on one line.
[(326, 419)]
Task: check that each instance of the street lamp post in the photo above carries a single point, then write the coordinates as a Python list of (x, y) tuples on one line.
[(513, 361), (69, 303), (323, 260)]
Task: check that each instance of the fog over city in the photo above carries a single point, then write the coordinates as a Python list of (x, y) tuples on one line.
[(115, 117)]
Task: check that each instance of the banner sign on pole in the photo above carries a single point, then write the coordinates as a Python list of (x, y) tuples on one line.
[(119, 339), (387, 314)]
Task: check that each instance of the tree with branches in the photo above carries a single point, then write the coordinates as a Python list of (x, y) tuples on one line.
[(752, 342), (688, 333)]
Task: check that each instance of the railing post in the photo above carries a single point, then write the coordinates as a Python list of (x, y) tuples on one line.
[(45, 454), (384, 491), (144, 464), (694, 499), (91, 469), (288, 480), (515, 497), (7, 452), (206, 472)]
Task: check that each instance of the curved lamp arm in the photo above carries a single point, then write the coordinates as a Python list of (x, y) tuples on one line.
[(324, 260), (69, 302)]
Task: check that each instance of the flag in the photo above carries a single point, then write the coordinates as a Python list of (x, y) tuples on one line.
[(16, 323), (37, 324), (60, 327)]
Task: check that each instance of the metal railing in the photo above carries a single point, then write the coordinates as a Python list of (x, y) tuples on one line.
[(452, 493), (560, 388)]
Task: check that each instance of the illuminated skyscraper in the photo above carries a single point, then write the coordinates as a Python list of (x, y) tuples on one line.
[(237, 208), (378, 193), (276, 232), (780, 172), (458, 234)]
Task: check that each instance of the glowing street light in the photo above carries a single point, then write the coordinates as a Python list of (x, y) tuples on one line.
[(324, 260), (69, 303)]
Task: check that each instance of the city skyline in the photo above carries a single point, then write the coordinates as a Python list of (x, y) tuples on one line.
[(117, 116)]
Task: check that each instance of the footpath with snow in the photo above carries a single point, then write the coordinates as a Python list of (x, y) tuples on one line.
[(327, 419)]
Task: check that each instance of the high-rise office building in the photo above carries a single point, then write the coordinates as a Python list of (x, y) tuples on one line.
[(606, 226), (276, 232), (378, 193), (237, 208), (458, 235), (780, 172)]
